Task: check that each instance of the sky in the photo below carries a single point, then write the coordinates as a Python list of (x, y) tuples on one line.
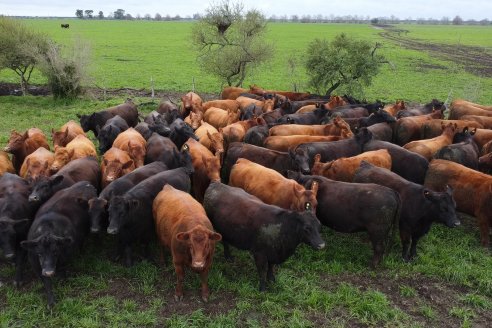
[(471, 9)]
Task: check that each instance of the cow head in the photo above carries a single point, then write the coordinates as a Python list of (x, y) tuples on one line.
[(449, 129), (36, 168), (382, 116), (16, 141), (320, 168), (97, 212), (216, 142), (196, 120), (212, 166), (62, 157), (304, 200), (115, 169), (464, 135), (363, 136), (268, 105), (300, 159), (86, 121), (119, 213), (201, 245), (60, 138), (44, 188), (137, 152), (48, 248), (442, 206), (106, 136), (10, 231), (186, 104), (309, 229)]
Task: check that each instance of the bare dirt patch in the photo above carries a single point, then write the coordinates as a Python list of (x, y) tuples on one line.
[(475, 60)]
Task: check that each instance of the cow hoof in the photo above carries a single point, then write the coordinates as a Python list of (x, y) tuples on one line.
[(205, 299), (17, 284), (178, 298)]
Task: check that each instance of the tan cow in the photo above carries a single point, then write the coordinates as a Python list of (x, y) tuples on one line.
[(428, 147), (5, 163), (67, 133), (79, 147), (337, 127), (183, 227), (271, 187), (220, 118), (191, 102), (226, 104), (133, 143), (115, 163), (210, 137), (22, 144), (284, 143), (393, 109), (343, 169), (37, 164), (232, 93)]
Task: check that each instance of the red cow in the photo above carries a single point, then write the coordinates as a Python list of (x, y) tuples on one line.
[(79, 147), (133, 143), (115, 164), (191, 102), (183, 227), (428, 147), (37, 164), (5, 163), (21, 145), (67, 133)]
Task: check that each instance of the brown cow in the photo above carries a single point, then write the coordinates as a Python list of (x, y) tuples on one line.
[(133, 143), (337, 127), (225, 104), (232, 93), (210, 137), (183, 227), (461, 107), (293, 96), (284, 143), (428, 147), (271, 187), (220, 118), (198, 154), (395, 108), (115, 164), (67, 133), (79, 147), (5, 163), (37, 164), (343, 169), (194, 120), (485, 163), (190, 102), (265, 105), (20, 145), (482, 136), (462, 102), (486, 121), (235, 132), (433, 128), (472, 191), (408, 128)]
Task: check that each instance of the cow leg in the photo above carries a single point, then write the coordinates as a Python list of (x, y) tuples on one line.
[(178, 294), (227, 252), (204, 283), (413, 248), (483, 222), (378, 249), (405, 243), (49, 290), (128, 256), (262, 267), (19, 267), (271, 272)]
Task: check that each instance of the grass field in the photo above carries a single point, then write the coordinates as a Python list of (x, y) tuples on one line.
[(129, 53), (448, 285)]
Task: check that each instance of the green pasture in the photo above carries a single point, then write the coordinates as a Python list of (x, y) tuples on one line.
[(130, 53), (448, 285)]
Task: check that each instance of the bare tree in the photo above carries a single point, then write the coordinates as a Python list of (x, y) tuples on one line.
[(230, 42)]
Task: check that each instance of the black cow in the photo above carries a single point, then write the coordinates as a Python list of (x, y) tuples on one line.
[(314, 117), (128, 111), (352, 207), (269, 232), (59, 229), (409, 165), (144, 129), (356, 112), (464, 150), (381, 131), (98, 205), (420, 206), (422, 110), (108, 133), (15, 219), (65, 25), (251, 111), (279, 161), (82, 169), (130, 215), (181, 132), (257, 135), (381, 116), (162, 149)]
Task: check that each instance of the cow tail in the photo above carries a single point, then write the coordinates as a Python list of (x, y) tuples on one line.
[(394, 225)]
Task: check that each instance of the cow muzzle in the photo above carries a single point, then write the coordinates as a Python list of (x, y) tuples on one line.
[(453, 224), (33, 199), (48, 273), (320, 246), (198, 265), (112, 230), (7, 149), (10, 256)]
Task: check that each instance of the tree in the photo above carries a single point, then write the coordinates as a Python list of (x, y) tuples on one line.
[(119, 14), (229, 42), (88, 13), (157, 17), (100, 15), (20, 49), (79, 13), (344, 63), (457, 20)]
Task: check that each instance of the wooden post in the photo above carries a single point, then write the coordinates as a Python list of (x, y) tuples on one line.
[(152, 86)]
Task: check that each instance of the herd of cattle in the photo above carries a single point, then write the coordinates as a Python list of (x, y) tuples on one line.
[(238, 170)]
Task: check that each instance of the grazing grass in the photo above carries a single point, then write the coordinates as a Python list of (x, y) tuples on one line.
[(448, 284)]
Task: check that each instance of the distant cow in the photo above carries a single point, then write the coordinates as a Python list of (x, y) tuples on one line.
[(65, 25)]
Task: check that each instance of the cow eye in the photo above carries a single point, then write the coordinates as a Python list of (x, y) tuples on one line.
[(307, 206)]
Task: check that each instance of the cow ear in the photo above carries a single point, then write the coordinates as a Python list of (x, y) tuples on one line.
[(314, 187), (473, 132), (182, 236), (465, 129), (29, 244), (208, 134), (317, 158), (427, 194), (78, 116), (57, 180), (71, 152), (221, 130), (215, 236)]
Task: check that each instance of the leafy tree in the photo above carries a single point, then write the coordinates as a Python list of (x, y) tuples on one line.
[(100, 15), (230, 42), (21, 47), (119, 14), (344, 63), (88, 13), (457, 20), (157, 17), (79, 13)]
